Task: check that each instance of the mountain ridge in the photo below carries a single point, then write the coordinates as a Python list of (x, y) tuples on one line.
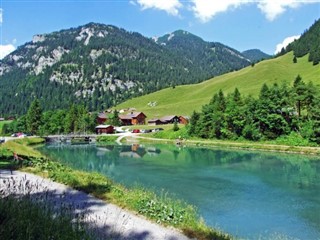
[(100, 65), (255, 55)]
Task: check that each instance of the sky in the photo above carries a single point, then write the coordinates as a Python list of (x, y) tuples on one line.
[(265, 24)]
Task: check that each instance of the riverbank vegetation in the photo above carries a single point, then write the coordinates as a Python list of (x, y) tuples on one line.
[(160, 208), (279, 111)]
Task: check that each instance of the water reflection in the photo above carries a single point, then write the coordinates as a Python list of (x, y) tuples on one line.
[(249, 194)]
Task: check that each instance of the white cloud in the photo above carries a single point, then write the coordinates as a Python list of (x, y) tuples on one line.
[(170, 6), (272, 9), (6, 49), (205, 10), (285, 43)]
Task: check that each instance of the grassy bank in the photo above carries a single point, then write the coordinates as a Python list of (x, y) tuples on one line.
[(291, 144), (161, 209)]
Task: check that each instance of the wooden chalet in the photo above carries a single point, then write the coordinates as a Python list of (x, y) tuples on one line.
[(169, 119), (184, 120), (107, 129), (102, 118), (154, 121), (133, 118)]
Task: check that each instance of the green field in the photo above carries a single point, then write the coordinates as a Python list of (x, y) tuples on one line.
[(183, 100)]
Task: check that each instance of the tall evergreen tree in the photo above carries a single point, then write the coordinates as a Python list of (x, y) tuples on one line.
[(33, 117), (300, 90), (193, 123)]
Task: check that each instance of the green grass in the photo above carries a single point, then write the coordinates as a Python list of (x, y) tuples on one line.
[(21, 147), (183, 100), (107, 139), (21, 218), (164, 126)]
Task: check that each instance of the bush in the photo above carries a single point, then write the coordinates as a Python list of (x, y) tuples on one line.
[(175, 127), (293, 139), (170, 134), (250, 132)]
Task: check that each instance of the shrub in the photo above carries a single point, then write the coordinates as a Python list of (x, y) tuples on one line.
[(293, 139), (175, 127)]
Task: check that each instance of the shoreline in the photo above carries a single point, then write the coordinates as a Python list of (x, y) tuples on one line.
[(235, 145)]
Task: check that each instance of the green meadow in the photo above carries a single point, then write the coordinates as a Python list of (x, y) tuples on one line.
[(183, 100)]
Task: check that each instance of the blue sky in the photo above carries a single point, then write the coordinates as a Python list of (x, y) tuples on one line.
[(242, 24)]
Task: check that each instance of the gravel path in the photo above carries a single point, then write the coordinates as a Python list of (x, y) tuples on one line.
[(110, 221)]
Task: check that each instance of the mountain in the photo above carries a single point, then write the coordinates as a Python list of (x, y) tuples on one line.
[(213, 57), (255, 55), (308, 43), (183, 100), (101, 65)]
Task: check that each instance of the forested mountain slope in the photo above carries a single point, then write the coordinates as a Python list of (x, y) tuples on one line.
[(183, 100), (308, 43), (101, 65)]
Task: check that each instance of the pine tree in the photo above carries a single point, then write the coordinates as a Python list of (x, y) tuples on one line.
[(294, 59), (299, 93), (34, 117)]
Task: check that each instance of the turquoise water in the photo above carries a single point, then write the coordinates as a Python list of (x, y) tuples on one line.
[(249, 194)]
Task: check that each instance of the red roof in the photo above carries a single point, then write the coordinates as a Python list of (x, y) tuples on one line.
[(131, 115), (102, 115)]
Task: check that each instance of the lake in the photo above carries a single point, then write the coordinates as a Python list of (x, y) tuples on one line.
[(249, 194)]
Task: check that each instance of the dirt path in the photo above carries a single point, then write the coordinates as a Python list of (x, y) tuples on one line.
[(108, 220)]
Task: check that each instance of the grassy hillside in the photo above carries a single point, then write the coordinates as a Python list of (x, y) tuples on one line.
[(182, 100)]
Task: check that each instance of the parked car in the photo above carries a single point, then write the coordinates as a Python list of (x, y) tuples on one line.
[(145, 130), (157, 129), (135, 131), (19, 135)]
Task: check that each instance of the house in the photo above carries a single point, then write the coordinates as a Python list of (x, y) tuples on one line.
[(154, 121), (108, 129), (184, 120), (102, 118), (169, 119), (133, 118)]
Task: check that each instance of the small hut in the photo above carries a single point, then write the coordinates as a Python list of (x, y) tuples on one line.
[(107, 129)]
